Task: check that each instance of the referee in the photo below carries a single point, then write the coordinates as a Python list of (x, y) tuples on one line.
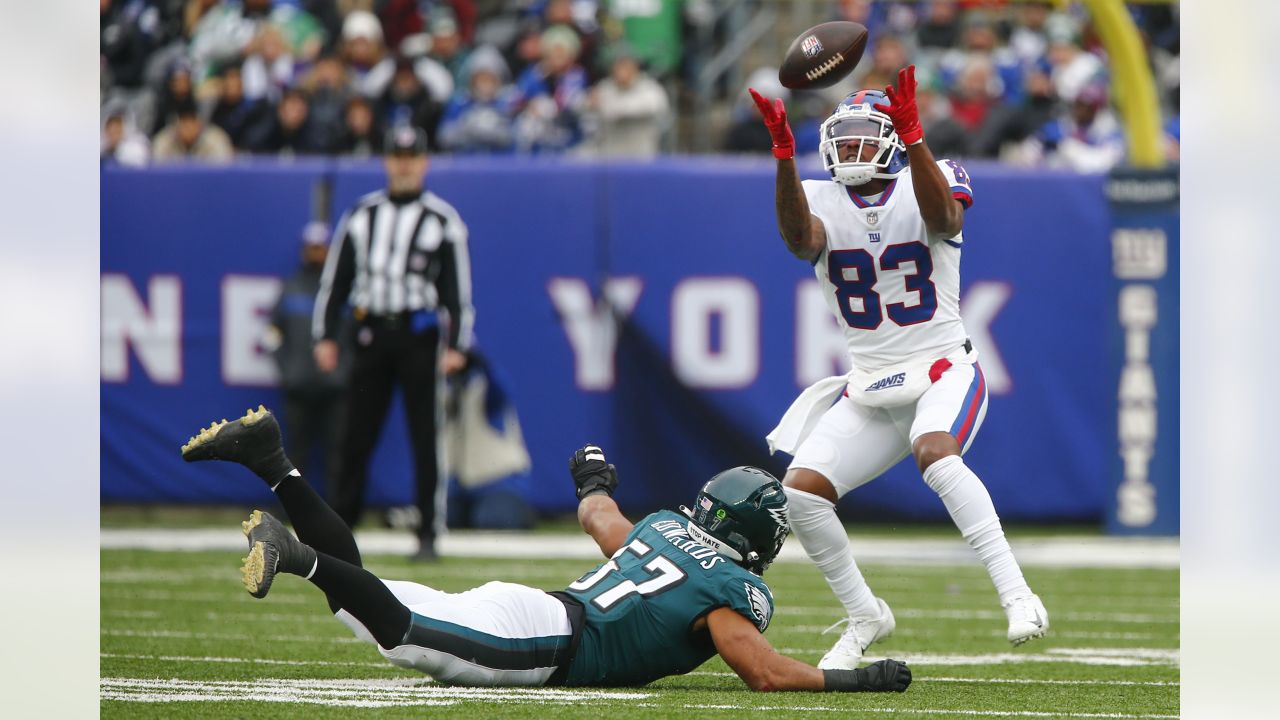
[(399, 258)]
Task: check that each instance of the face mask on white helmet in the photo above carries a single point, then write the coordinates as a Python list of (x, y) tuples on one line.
[(854, 133)]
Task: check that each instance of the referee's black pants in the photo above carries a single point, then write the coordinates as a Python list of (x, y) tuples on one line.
[(390, 352), (312, 431)]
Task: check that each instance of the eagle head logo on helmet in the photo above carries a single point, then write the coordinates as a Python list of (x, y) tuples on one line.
[(854, 126), (742, 514)]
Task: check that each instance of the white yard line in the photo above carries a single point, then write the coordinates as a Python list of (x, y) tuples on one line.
[(1116, 617), (998, 681), (298, 638), (174, 597), (229, 596), (388, 687), (927, 632), (185, 635), (934, 614), (1038, 681), (1112, 657), (133, 614), (1124, 657), (344, 693), (153, 583), (248, 661), (928, 712), (171, 576), (1116, 657), (406, 693), (1065, 551)]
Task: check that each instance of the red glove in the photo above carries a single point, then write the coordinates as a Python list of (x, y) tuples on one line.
[(775, 118), (902, 107)]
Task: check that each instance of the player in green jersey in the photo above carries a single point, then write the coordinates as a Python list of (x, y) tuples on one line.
[(676, 590)]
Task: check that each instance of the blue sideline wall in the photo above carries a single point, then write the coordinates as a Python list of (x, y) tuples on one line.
[(191, 258)]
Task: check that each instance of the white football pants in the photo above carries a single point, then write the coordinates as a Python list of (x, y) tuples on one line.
[(497, 634)]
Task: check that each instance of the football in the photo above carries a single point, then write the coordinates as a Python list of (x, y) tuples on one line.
[(823, 55)]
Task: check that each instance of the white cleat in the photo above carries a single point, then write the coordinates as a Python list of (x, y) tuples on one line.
[(1027, 619), (858, 634)]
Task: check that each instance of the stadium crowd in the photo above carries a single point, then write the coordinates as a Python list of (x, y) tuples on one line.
[(1025, 82)]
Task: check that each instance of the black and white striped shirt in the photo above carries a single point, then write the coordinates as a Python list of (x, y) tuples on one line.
[(392, 255)]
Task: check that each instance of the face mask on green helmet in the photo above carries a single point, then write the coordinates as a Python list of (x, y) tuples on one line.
[(742, 514)]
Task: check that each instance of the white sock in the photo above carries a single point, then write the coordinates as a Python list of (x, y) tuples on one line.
[(292, 473), (813, 520), (973, 513)]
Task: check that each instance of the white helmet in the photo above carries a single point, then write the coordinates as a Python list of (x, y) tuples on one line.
[(856, 120)]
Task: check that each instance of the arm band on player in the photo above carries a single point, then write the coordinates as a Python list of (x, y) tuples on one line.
[(842, 681)]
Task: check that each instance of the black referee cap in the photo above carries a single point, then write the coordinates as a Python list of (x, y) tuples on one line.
[(406, 140)]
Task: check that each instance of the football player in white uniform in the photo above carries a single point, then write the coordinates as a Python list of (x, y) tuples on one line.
[(885, 237)]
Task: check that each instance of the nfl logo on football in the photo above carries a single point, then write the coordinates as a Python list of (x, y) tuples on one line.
[(811, 46)]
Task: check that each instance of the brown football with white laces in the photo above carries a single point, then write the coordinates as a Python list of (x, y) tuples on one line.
[(823, 55)]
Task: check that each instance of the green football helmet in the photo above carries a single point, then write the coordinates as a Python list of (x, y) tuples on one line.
[(742, 514)]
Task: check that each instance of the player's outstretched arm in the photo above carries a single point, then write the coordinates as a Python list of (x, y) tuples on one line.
[(761, 667), (595, 480), (601, 519), (803, 233), (943, 214)]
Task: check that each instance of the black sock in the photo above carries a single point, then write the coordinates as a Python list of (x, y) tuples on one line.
[(362, 594), (315, 522)]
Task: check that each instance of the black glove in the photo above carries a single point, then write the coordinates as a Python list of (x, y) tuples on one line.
[(591, 474), (887, 676), (879, 676)]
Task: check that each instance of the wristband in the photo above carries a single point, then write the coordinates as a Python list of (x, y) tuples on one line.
[(913, 135), (842, 680)]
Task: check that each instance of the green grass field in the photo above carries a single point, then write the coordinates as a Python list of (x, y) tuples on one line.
[(181, 638)]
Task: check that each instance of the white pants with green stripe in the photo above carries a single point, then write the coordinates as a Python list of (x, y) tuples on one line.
[(497, 634)]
